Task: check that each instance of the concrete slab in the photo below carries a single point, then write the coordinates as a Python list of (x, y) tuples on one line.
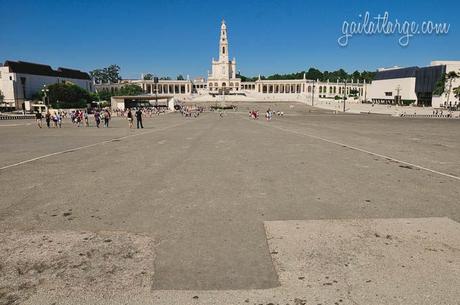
[(367, 261), (73, 262), (375, 261)]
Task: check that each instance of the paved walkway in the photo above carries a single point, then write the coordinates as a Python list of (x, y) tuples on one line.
[(201, 189)]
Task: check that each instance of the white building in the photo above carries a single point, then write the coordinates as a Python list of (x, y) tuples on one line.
[(223, 80), (20, 80), (307, 89), (413, 85), (223, 77)]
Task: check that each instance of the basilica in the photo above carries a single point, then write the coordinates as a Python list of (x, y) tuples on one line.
[(223, 77), (223, 80)]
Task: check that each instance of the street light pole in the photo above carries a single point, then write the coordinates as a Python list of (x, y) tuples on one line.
[(344, 95)]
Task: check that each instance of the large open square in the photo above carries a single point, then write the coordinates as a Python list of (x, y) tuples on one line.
[(201, 193)]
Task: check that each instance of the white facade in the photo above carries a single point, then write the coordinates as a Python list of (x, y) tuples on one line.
[(223, 77), (309, 88), (223, 80), (415, 85), (384, 91), (18, 87)]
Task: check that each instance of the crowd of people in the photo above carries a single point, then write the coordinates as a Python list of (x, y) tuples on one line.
[(79, 118), (147, 111), (269, 114), (189, 111), (82, 118)]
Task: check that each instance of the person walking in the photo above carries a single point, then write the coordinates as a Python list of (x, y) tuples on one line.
[(80, 118), (86, 118), (130, 118), (139, 118), (106, 118), (48, 118), (39, 118), (55, 120), (97, 118), (59, 119)]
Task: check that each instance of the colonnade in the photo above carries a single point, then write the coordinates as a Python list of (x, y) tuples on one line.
[(167, 88)]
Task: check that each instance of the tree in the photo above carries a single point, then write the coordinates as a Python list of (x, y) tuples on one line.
[(130, 89), (2, 97), (450, 77), (65, 95), (356, 75), (110, 74), (315, 74), (440, 85), (104, 95), (180, 77), (98, 76), (148, 76), (367, 76), (94, 96), (457, 92)]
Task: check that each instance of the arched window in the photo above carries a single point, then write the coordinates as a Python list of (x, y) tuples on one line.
[(224, 84), (223, 50), (215, 85), (309, 88)]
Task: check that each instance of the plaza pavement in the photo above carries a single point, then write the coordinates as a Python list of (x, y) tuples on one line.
[(208, 191)]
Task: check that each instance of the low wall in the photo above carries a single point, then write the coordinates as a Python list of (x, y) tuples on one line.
[(16, 117)]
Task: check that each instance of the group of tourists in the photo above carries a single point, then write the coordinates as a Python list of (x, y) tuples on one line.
[(55, 117), (79, 118), (269, 114), (452, 107), (188, 112), (146, 111)]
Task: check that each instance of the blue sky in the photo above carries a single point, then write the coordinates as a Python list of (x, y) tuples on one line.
[(174, 37)]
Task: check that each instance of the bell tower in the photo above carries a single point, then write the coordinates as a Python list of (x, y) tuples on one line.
[(223, 45), (223, 78)]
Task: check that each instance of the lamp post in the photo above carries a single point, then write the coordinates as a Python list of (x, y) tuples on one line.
[(344, 95), (45, 91)]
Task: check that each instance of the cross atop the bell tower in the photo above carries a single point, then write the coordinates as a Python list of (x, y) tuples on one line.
[(223, 45)]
